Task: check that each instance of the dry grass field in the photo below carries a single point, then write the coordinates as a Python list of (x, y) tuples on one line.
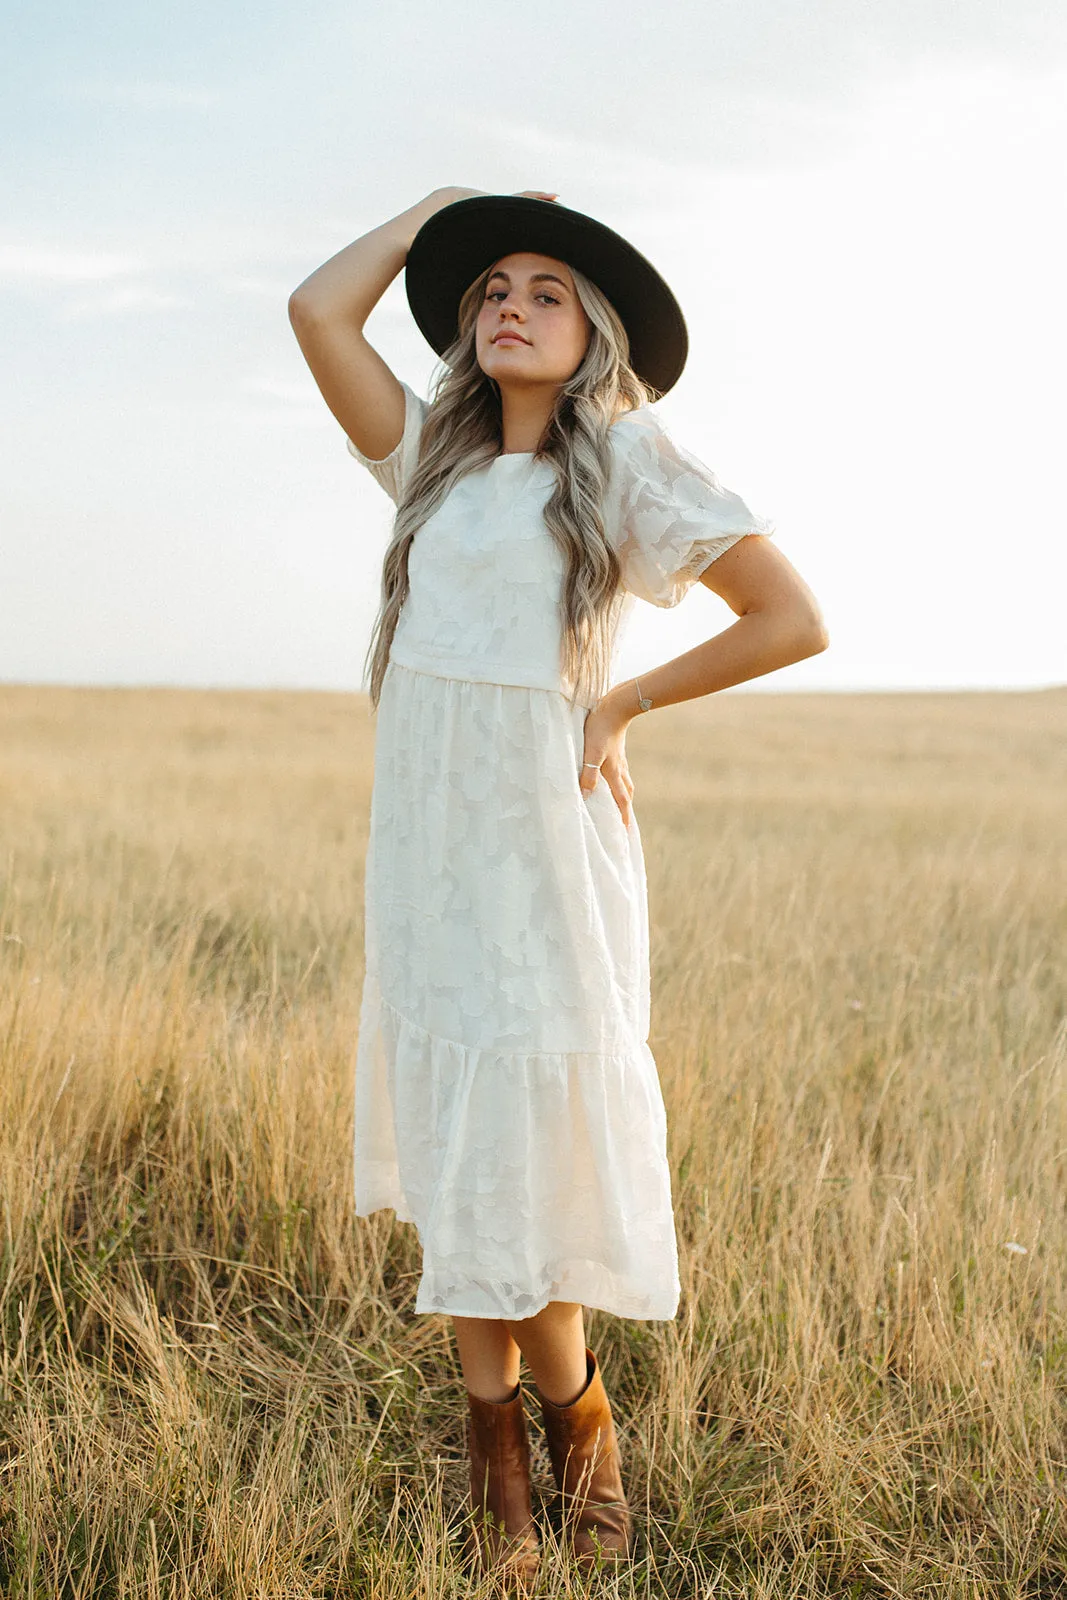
[(213, 1382)]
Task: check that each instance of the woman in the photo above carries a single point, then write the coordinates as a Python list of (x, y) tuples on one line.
[(507, 1102)]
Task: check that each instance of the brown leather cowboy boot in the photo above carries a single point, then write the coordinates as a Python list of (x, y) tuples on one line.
[(585, 1463), (503, 1535)]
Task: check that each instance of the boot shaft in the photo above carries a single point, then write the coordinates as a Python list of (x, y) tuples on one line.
[(499, 1455), (585, 1464), (503, 1531), (581, 1440)]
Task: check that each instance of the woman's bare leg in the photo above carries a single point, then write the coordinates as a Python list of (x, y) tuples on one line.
[(488, 1355), (553, 1343)]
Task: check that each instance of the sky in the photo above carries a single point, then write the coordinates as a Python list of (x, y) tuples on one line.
[(861, 210)]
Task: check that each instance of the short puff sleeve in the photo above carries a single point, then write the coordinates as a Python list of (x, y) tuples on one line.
[(672, 517), (394, 470)]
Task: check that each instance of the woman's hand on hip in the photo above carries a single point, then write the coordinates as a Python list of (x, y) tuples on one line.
[(605, 748)]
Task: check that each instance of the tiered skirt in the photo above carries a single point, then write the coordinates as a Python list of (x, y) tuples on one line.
[(507, 1101)]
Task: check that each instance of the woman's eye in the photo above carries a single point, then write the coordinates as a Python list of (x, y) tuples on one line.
[(544, 295)]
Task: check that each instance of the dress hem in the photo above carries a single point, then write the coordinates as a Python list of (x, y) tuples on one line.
[(634, 1308)]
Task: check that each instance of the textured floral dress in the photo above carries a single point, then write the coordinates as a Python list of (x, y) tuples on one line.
[(507, 1102)]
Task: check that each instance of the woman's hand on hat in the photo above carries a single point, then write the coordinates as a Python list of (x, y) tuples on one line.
[(455, 192)]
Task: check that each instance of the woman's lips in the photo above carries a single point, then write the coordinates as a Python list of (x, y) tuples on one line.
[(510, 338)]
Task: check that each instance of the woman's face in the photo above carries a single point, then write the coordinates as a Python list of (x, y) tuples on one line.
[(532, 299)]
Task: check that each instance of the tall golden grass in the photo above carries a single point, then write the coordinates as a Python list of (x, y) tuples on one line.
[(213, 1381)]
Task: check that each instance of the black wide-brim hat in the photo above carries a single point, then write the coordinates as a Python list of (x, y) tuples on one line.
[(458, 242)]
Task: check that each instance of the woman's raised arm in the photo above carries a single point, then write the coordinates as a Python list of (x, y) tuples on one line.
[(328, 310)]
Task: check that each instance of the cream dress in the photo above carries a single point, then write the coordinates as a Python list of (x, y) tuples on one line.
[(507, 1102)]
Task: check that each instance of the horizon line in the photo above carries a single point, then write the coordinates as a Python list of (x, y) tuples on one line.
[(182, 687)]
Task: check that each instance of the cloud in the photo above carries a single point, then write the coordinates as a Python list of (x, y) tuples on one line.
[(292, 394), (43, 263), (44, 268), (743, 125), (132, 297), (612, 162), (287, 416), (264, 288)]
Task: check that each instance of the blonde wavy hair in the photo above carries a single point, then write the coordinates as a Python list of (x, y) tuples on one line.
[(462, 431)]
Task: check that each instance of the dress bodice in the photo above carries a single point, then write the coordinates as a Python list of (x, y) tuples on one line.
[(485, 574)]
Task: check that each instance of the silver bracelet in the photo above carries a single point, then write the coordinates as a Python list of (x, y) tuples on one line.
[(646, 705)]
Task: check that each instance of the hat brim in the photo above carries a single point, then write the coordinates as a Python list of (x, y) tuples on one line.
[(458, 242)]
